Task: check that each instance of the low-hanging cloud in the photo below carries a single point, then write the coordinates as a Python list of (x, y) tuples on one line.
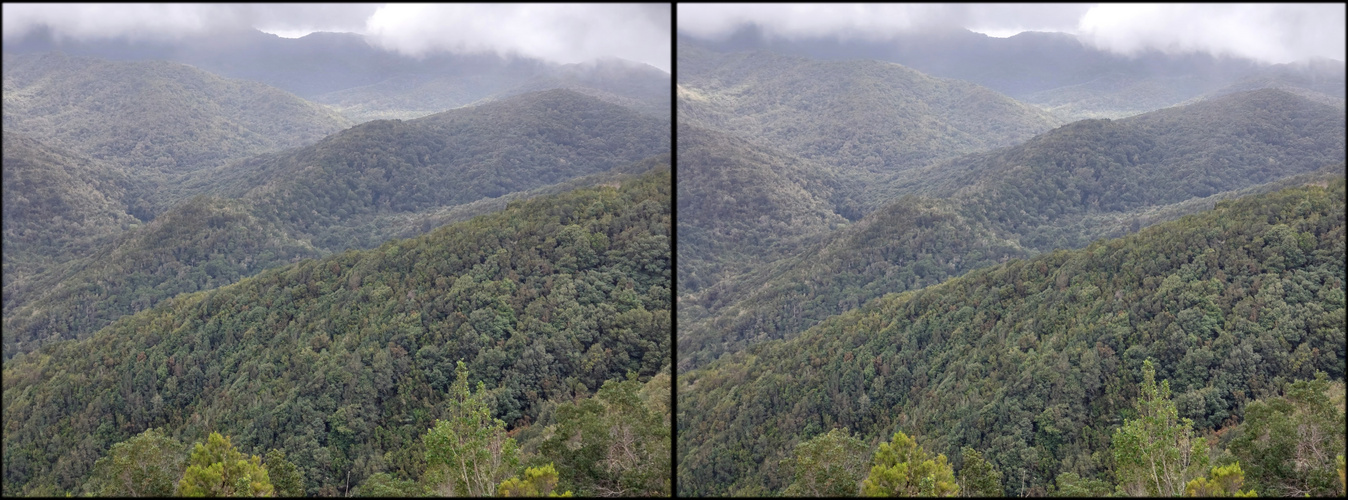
[(1276, 33), (568, 33), (564, 33)]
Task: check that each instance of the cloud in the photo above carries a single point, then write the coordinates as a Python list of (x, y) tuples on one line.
[(872, 21), (567, 33), (1275, 33), (171, 21), (564, 33)]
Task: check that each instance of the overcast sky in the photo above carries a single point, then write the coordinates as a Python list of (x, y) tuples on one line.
[(565, 33), (1276, 33)]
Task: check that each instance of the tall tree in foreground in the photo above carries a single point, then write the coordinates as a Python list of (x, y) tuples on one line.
[(147, 465), (901, 468), (1289, 443), (216, 469), (287, 478), (828, 465), (978, 478), (468, 452), (1156, 454)]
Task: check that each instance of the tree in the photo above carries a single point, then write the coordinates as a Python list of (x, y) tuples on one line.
[(287, 478), (612, 444), (1072, 485), (1156, 453), (1289, 443), (828, 465), (901, 468), (978, 478), (146, 465), (385, 485), (537, 482), (468, 453), (1225, 482), (216, 469)]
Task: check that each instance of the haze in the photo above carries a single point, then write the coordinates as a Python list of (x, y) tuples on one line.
[(1271, 33), (562, 33)]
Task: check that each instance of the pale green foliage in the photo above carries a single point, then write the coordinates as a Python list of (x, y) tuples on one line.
[(1156, 454), (900, 468), (146, 465), (468, 452), (1225, 482), (978, 478), (537, 482), (216, 469), (828, 465)]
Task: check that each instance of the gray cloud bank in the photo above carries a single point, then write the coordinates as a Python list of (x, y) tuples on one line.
[(563, 33), (1273, 33)]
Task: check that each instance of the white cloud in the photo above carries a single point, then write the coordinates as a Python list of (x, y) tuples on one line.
[(568, 33), (1267, 32), (564, 33)]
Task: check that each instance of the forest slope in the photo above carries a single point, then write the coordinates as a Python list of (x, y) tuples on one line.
[(1034, 360), (869, 117), (1063, 189), (56, 203), (356, 189), (153, 116), (343, 363)]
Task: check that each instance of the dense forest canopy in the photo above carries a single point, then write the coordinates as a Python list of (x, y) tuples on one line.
[(344, 362), (1033, 362)]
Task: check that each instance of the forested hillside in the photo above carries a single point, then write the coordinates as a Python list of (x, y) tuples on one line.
[(1056, 72), (869, 117), (1036, 362), (1063, 189), (200, 244), (153, 116), (451, 158), (345, 363), (355, 189), (56, 203), (742, 204)]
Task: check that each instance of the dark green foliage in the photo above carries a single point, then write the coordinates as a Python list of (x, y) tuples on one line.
[(977, 477), (284, 475), (333, 191), (909, 244), (616, 443), (1071, 485), (1288, 444), (741, 205), (383, 484), (56, 204), (1051, 190), (147, 465), (344, 363), (201, 244), (1035, 361)]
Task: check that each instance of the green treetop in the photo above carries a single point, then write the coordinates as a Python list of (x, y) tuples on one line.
[(1156, 454), (901, 468), (468, 453), (216, 469)]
